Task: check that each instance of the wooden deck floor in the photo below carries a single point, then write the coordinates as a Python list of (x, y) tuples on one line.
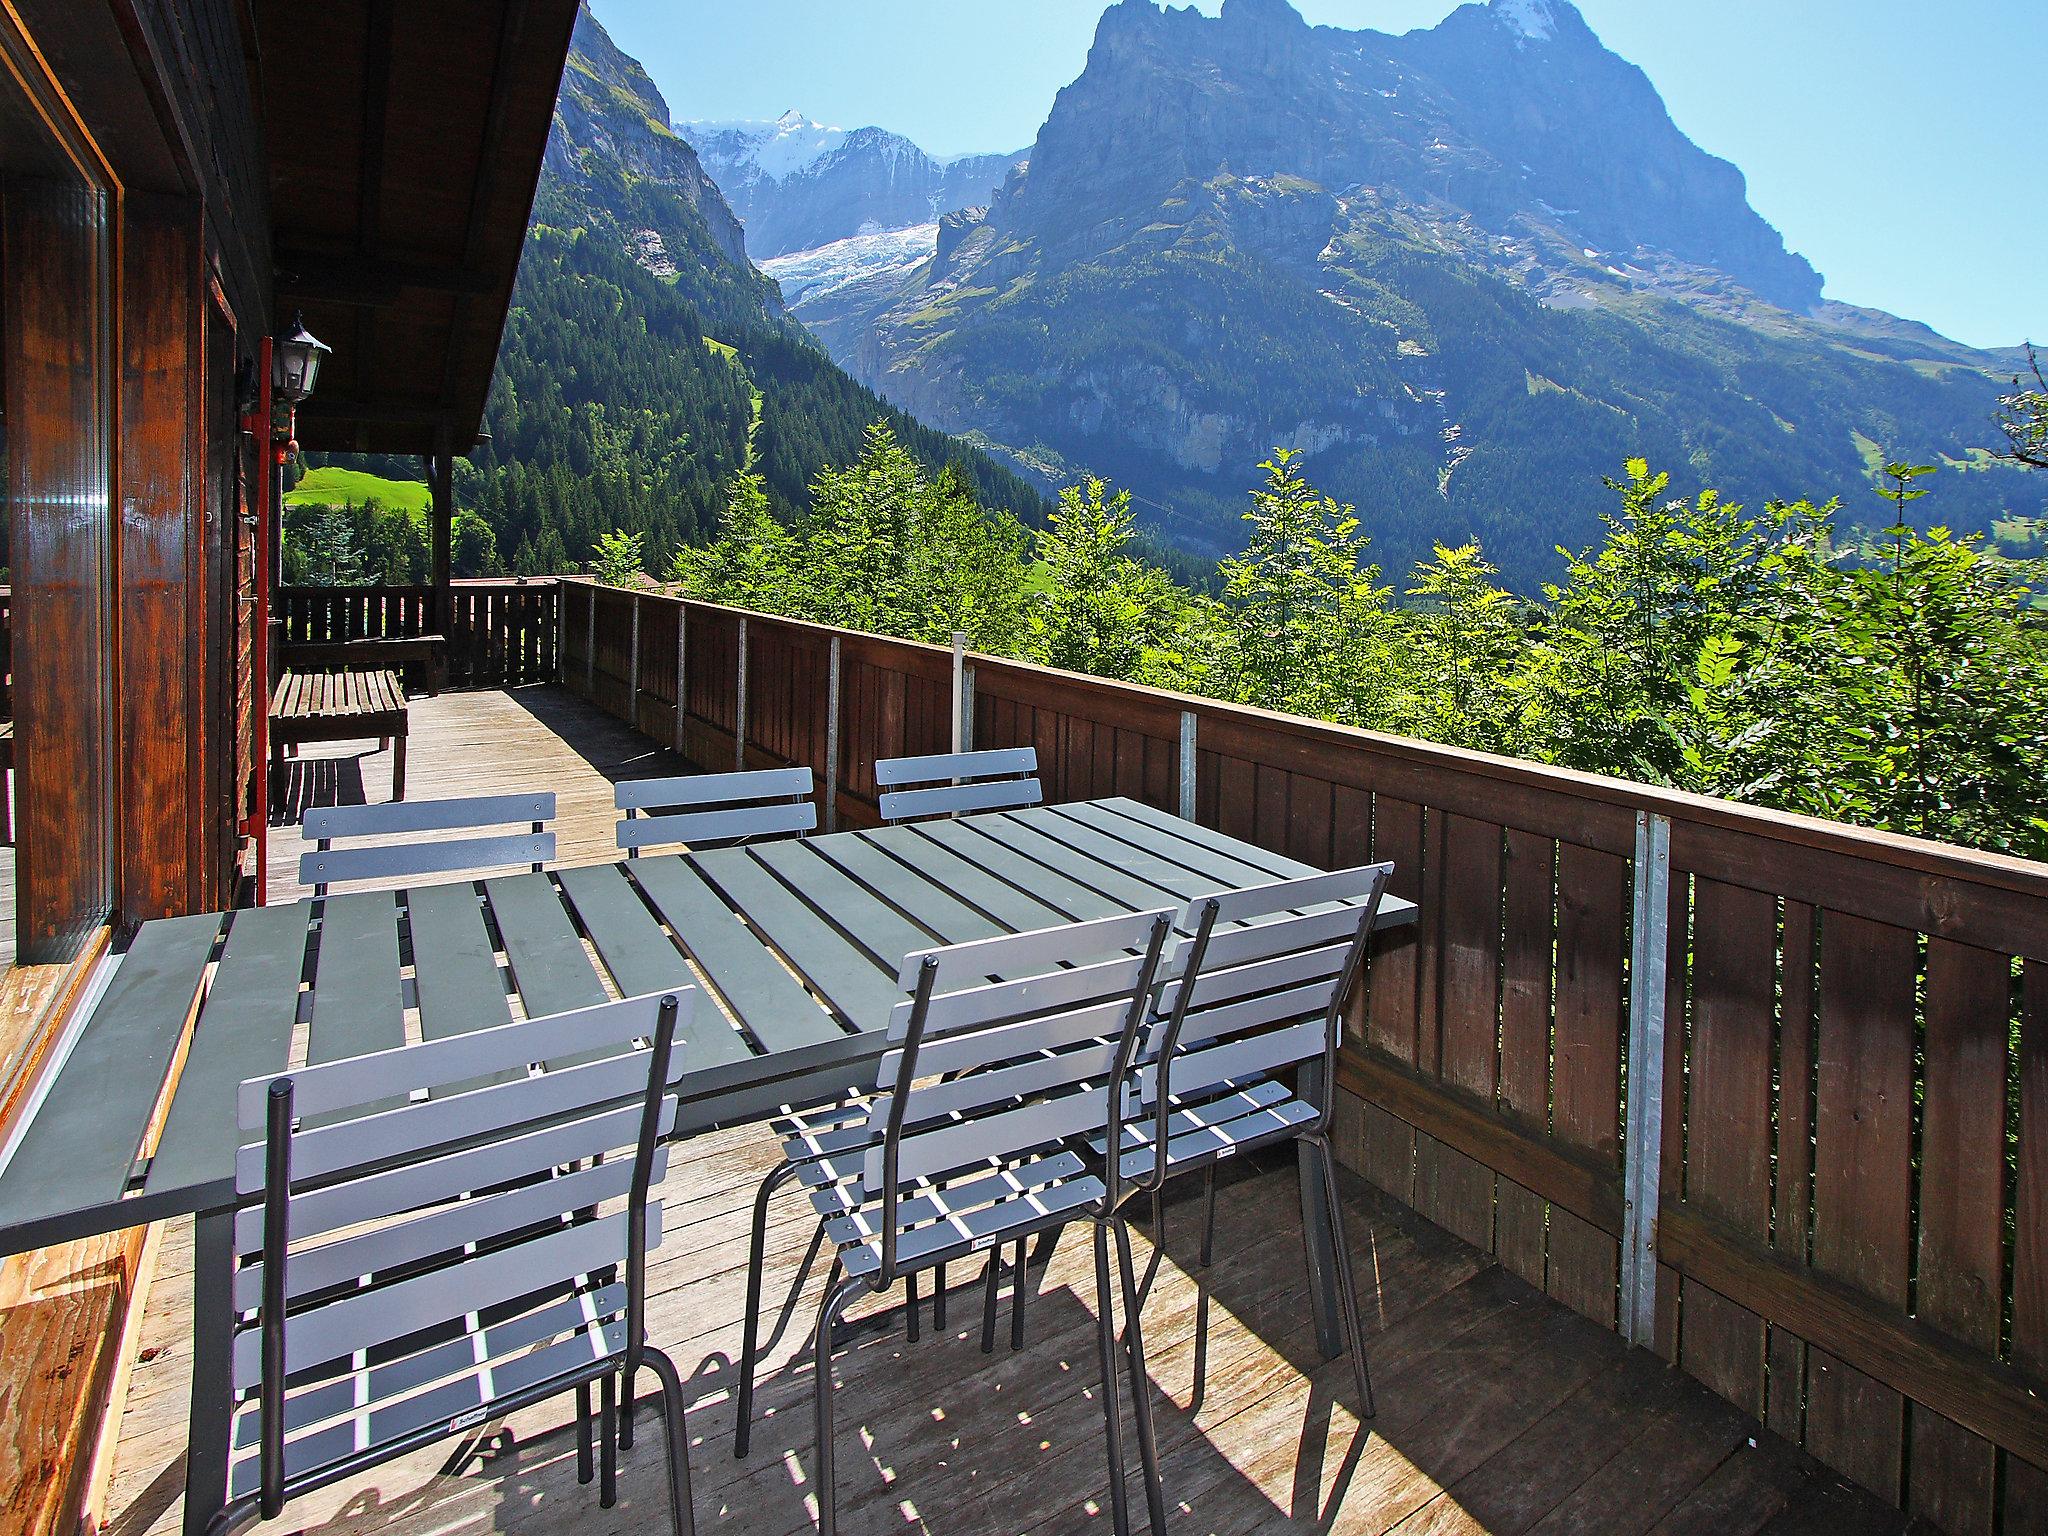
[(1500, 1410), (482, 743)]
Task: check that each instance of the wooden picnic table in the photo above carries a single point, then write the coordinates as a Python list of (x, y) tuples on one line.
[(341, 705), (139, 1122)]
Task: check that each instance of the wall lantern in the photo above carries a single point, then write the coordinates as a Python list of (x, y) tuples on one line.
[(295, 363)]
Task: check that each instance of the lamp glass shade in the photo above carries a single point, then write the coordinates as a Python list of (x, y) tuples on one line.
[(296, 360)]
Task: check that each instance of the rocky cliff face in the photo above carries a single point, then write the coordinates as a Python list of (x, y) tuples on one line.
[(1468, 271), (1510, 115), (610, 119), (797, 185)]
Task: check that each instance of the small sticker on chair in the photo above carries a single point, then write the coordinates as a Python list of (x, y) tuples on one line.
[(468, 1420), (981, 1243)]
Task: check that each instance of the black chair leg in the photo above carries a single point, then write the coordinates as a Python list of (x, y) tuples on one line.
[(586, 1450), (678, 1440), (608, 1443), (1141, 1384), (625, 1410), (750, 1348), (1112, 1408), (1020, 1289), (910, 1326), (939, 1298), (1209, 1216), (836, 1301), (991, 1278), (1347, 1289)]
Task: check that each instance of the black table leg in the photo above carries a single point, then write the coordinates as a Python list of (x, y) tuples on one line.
[(1315, 1229), (213, 1326)]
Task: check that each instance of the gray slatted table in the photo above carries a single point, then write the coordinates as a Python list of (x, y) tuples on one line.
[(799, 941)]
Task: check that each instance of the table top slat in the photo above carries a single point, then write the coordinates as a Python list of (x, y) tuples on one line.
[(1012, 910), (550, 966), (79, 1149), (952, 920), (358, 999), (1079, 902), (643, 959), (454, 967), (770, 1002), (850, 979), (1178, 830), (1126, 884), (245, 1030), (886, 934), (1218, 870)]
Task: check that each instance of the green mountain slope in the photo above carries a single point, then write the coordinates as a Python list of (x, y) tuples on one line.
[(610, 410)]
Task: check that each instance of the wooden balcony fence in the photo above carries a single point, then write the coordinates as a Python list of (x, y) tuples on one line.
[(1766, 1094), (501, 634)]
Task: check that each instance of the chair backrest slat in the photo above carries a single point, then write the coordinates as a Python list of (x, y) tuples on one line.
[(892, 771), (413, 1185), (712, 789), (330, 821), (722, 826), (399, 861), (1002, 778), (431, 854), (701, 809), (1019, 1063), (364, 1319), (1259, 989)]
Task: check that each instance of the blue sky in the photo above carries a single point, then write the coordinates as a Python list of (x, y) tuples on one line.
[(1883, 137)]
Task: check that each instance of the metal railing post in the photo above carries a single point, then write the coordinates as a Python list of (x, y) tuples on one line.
[(739, 722), (832, 740), (1187, 765), (1643, 1145), (959, 691)]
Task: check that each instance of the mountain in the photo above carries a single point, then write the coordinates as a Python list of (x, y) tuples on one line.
[(797, 185), (1467, 271), (645, 360)]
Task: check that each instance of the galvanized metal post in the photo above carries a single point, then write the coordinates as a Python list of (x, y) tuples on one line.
[(959, 691), (1187, 765), (682, 670), (739, 723), (832, 741), (1643, 1146), (633, 671)]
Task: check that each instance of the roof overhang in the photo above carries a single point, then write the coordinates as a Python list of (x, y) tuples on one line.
[(404, 143)]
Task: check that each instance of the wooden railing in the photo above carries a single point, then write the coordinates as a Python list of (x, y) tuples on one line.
[(1765, 1093), (500, 633)]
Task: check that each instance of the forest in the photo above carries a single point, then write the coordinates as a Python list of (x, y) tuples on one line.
[(1781, 656)]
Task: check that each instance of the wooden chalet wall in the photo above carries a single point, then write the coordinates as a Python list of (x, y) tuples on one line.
[(1853, 1170)]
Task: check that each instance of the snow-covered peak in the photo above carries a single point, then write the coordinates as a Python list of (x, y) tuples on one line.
[(1532, 20), (780, 149)]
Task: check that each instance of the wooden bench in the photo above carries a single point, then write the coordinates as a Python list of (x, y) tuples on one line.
[(339, 706), (421, 659)]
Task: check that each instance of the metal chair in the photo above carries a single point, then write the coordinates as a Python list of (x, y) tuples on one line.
[(722, 808), (1260, 992), (998, 780), (446, 1236), (1004, 1052), (327, 864)]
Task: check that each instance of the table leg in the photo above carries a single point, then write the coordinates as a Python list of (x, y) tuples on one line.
[(398, 768), (1315, 1229), (213, 1324)]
